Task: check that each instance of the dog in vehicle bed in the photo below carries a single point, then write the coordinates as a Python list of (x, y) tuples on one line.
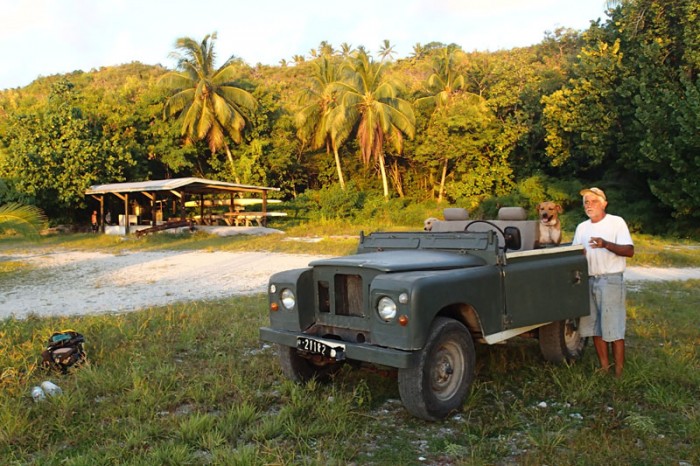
[(428, 223), (550, 226)]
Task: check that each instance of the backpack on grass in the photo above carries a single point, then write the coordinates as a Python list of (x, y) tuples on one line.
[(64, 350)]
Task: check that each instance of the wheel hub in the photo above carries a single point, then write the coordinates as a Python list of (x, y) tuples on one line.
[(444, 378)]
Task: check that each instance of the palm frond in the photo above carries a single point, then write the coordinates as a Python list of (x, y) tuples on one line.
[(24, 220), (176, 80), (240, 99)]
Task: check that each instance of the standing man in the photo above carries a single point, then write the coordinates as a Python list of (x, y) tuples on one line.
[(607, 243), (93, 221)]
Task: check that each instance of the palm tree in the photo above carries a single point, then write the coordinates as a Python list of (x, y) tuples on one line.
[(443, 85), (205, 99), (386, 50), (370, 107), (25, 220), (346, 50), (418, 51), (325, 49), (444, 82), (314, 119)]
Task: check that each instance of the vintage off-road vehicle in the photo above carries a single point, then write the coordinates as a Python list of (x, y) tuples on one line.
[(417, 302)]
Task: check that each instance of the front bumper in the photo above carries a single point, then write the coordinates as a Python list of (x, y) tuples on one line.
[(355, 351)]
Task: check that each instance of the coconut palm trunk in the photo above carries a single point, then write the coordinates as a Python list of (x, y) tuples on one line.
[(442, 180), (341, 180), (231, 162)]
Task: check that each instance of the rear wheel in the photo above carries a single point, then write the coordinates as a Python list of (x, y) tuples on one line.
[(440, 381), (300, 369), (561, 341)]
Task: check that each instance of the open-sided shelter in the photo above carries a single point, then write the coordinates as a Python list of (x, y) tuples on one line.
[(181, 189)]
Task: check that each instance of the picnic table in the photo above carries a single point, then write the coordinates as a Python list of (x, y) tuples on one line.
[(249, 218)]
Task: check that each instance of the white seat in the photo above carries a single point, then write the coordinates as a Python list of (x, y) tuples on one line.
[(457, 219)]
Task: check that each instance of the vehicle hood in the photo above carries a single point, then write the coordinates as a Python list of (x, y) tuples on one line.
[(403, 260)]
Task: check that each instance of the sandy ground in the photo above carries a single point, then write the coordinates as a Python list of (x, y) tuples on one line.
[(79, 282)]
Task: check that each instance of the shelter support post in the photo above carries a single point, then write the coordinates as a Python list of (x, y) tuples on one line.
[(152, 198)]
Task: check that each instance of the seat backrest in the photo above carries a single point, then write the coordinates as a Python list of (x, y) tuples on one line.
[(455, 220), (512, 213), (455, 213)]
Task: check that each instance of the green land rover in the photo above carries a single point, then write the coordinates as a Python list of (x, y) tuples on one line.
[(419, 301)]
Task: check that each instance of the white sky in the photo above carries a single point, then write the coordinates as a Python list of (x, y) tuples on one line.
[(45, 37)]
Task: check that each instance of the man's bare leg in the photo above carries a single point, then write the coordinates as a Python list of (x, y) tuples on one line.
[(601, 347), (618, 347)]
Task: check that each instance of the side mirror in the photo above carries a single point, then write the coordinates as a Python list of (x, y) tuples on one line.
[(512, 238)]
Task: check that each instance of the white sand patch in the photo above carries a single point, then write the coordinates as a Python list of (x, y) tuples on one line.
[(635, 274), (79, 282)]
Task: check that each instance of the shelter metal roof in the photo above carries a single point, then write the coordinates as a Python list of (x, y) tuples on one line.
[(189, 185)]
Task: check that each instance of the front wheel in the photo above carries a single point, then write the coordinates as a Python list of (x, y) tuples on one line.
[(561, 341), (300, 369), (440, 381)]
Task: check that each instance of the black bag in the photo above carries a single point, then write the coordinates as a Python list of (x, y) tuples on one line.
[(64, 350)]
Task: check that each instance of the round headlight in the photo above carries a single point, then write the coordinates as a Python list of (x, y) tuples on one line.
[(386, 308), (288, 298), (273, 289)]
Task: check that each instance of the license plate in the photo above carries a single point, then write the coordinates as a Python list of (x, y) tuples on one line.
[(327, 348)]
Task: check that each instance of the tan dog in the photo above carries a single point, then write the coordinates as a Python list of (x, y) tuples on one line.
[(550, 226)]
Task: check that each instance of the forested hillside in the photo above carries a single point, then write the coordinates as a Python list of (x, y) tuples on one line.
[(617, 106)]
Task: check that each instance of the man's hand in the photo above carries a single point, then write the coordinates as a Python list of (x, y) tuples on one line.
[(626, 250)]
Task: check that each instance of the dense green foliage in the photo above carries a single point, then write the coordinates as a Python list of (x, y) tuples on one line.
[(616, 106)]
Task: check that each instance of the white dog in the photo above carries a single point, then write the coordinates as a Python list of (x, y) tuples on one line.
[(428, 223)]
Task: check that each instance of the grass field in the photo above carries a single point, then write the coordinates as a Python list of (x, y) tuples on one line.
[(192, 384)]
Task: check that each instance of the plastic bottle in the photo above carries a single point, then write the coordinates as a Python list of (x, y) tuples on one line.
[(51, 388), (38, 394)]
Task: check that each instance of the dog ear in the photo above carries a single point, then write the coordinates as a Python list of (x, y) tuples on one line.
[(559, 209), (539, 206)]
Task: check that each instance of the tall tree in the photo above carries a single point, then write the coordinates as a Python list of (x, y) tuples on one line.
[(314, 120), (444, 82), (632, 110), (346, 50), (58, 150), (370, 106), (386, 50), (442, 86), (206, 100), (461, 141)]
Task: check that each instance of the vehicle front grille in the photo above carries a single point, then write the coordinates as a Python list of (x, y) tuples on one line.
[(324, 300), (348, 295)]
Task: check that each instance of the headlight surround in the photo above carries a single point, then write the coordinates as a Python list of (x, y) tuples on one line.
[(386, 309), (288, 299)]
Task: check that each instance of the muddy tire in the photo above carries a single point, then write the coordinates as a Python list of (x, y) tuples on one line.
[(441, 379), (561, 341), (301, 370)]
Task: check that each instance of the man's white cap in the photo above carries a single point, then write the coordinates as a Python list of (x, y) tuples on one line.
[(595, 191)]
